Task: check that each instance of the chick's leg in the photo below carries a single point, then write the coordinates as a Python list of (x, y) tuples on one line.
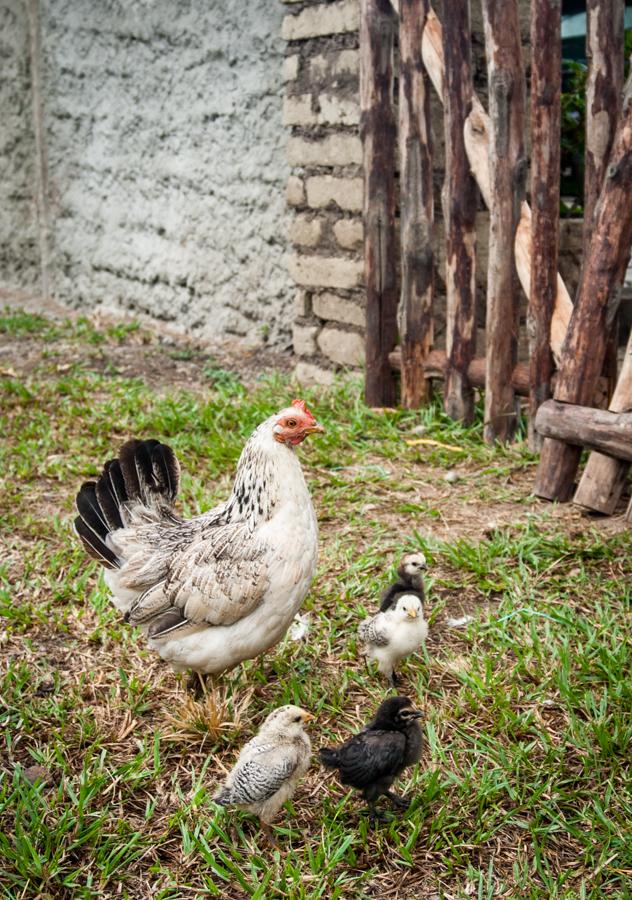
[(269, 834), (396, 800), (393, 678)]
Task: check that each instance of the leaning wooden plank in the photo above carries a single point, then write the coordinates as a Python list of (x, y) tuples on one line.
[(477, 145), (603, 478), (546, 86), (416, 206), (377, 32), (598, 297), (459, 212), (604, 81), (584, 426), (507, 165)]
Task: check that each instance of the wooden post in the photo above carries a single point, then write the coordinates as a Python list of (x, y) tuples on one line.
[(603, 478), (416, 206), (604, 52), (477, 146), (377, 31), (597, 429), (459, 213), (507, 169), (546, 86), (598, 297)]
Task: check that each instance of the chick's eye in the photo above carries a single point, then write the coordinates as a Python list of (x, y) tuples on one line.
[(297, 719)]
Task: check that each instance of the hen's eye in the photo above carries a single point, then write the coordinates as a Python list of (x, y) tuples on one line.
[(291, 423)]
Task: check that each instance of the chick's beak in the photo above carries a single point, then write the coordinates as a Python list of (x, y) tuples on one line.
[(417, 715), (307, 716), (412, 613)]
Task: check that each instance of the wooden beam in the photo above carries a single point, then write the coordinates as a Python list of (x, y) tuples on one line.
[(507, 172), (459, 212), (603, 478), (377, 33), (546, 86), (583, 426), (477, 146), (436, 366), (416, 206), (598, 297), (604, 82)]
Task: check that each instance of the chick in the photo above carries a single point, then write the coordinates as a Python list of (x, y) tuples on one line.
[(371, 760), (410, 580), (269, 767), (390, 636)]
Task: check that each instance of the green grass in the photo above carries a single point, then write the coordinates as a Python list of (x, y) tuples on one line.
[(524, 789)]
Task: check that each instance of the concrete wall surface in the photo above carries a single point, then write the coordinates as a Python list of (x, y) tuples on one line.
[(163, 144)]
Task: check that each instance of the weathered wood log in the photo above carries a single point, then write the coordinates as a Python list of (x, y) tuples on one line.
[(583, 426), (507, 165), (459, 213), (416, 206), (604, 82), (436, 366), (377, 32), (598, 298), (477, 146), (546, 86), (604, 478)]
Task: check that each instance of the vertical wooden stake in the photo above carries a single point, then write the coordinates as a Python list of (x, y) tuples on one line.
[(507, 169), (377, 31), (604, 52), (416, 205), (546, 51), (459, 213), (598, 296)]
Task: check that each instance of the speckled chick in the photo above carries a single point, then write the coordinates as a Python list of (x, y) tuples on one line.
[(269, 766), (390, 636)]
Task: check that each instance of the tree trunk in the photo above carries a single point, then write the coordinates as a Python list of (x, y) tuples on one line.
[(583, 426), (377, 31), (507, 167), (604, 52), (545, 196), (598, 297), (459, 213), (416, 213), (477, 146), (604, 478)]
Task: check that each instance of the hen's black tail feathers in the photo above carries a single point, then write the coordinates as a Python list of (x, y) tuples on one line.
[(146, 471), (329, 757)]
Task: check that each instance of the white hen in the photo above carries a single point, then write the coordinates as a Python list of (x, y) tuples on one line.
[(224, 586)]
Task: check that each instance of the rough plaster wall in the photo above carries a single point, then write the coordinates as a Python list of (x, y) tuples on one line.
[(166, 161), (19, 249)]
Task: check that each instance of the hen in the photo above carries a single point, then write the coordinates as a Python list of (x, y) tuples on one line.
[(224, 586)]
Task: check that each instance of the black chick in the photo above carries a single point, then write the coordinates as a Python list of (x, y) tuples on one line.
[(410, 580), (371, 760)]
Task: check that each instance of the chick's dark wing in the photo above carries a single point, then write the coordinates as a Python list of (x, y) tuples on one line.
[(369, 756)]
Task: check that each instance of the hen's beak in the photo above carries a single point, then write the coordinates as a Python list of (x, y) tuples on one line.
[(316, 428), (412, 613), (308, 716)]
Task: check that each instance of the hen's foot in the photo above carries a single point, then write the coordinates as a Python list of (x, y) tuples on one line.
[(376, 815)]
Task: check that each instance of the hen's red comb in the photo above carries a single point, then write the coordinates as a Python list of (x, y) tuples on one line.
[(300, 404)]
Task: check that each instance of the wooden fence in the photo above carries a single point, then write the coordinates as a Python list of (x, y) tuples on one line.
[(572, 346)]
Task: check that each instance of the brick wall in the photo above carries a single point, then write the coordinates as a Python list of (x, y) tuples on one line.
[(324, 191)]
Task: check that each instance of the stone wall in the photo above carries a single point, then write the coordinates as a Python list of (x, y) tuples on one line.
[(166, 166), (321, 112)]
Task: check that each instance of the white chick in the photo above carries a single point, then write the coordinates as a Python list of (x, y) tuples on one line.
[(269, 767), (391, 635)]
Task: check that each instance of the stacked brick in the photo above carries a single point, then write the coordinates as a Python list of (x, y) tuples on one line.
[(324, 190)]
